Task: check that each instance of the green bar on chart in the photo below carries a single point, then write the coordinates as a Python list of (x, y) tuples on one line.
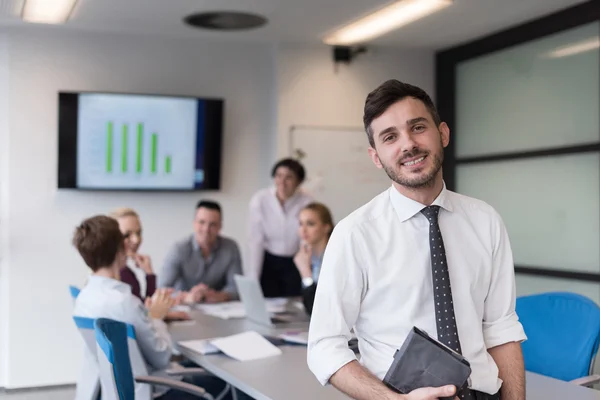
[(154, 151), (109, 146), (140, 139), (124, 149), (168, 164)]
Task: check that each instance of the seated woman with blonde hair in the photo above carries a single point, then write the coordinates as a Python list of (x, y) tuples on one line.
[(137, 272), (316, 225)]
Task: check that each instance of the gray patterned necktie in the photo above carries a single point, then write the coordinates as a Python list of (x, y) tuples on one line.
[(442, 291)]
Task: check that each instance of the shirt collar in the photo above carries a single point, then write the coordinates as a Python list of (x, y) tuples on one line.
[(95, 280), (296, 194), (215, 246), (407, 208)]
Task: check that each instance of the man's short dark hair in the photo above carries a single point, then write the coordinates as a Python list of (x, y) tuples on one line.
[(98, 240), (388, 93), (292, 165), (211, 205)]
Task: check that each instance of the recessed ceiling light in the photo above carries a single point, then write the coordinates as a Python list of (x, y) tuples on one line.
[(225, 20), (48, 11), (384, 20)]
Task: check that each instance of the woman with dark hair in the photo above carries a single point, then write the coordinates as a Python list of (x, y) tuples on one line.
[(273, 231), (316, 225)]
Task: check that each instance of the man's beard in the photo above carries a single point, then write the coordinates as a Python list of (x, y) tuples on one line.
[(419, 181)]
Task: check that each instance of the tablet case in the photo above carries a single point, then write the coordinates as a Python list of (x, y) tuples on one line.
[(424, 362)]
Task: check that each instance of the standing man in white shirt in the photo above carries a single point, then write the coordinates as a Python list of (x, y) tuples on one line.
[(416, 255)]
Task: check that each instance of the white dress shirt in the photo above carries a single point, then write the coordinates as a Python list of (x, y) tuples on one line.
[(376, 278), (273, 227), (109, 298)]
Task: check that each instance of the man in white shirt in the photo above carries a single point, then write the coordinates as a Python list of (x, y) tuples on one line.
[(101, 245), (388, 267)]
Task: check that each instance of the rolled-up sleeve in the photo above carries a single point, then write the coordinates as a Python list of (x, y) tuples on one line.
[(500, 321), (336, 307), (233, 269)]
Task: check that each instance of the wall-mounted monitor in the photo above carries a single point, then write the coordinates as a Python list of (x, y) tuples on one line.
[(112, 141)]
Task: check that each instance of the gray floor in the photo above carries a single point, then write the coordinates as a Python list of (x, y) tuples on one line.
[(53, 393)]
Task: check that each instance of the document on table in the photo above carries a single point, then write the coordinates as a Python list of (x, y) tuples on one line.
[(235, 309), (295, 337), (200, 346), (231, 309), (244, 346)]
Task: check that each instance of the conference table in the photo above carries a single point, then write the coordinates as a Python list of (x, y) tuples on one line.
[(287, 377)]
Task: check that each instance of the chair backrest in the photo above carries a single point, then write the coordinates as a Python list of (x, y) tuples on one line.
[(90, 378), (88, 383), (563, 334), (116, 377), (74, 290)]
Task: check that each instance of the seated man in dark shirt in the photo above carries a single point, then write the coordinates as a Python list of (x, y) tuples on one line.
[(203, 265)]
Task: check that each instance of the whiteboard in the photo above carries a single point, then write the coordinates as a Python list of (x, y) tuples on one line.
[(339, 171)]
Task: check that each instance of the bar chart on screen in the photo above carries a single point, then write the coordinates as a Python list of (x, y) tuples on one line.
[(120, 163), (139, 144)]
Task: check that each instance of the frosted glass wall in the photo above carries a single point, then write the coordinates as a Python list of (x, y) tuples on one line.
[(540, 95)]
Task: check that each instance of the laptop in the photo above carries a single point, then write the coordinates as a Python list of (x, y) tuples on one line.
[(255, 304)]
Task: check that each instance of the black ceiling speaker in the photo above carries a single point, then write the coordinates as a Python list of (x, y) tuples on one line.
[(225, 20), (345, 54)]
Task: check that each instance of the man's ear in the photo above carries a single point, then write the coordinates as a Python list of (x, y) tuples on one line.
[(445, 132), (375, 157)]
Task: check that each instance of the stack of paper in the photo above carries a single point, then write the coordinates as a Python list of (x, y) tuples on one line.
[(277, 304), (235, 309), (200, 346), (232, 309), (244, 346), (295, 337)]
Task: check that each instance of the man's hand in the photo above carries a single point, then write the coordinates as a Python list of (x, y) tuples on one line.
[(195, 295), (430, 393), (357, 382), (212, 296), (159, 304)]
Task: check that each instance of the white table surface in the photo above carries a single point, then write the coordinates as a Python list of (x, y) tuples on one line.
[(287, 377)]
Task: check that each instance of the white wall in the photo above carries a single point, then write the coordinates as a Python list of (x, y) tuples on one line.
[(43, 346), (3, 203), (311, 92), (266, 91)]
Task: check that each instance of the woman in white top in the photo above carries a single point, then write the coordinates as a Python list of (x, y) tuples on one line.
[(273, 231)]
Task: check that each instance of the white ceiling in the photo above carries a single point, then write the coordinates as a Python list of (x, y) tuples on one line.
[(299, 21)]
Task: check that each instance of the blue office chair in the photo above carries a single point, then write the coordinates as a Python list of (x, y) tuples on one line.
[(88, 384), (116, 375), (563, 335), (74, 290)]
